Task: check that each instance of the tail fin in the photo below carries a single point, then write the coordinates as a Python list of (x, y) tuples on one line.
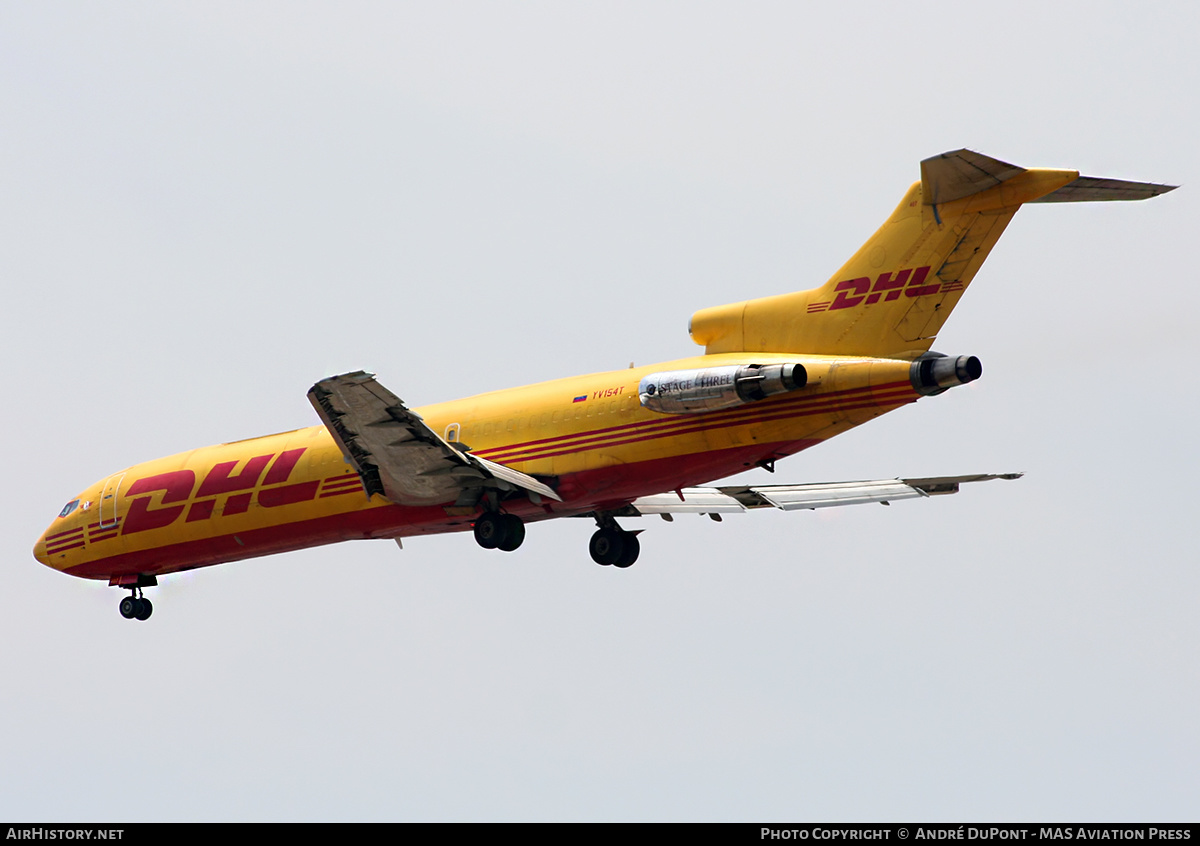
[(892, 297)]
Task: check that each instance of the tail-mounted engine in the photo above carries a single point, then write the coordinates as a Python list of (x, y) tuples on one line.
[(933, 372), (711, 388)]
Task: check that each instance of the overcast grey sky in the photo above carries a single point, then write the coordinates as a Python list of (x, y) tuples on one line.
[(207, 207)]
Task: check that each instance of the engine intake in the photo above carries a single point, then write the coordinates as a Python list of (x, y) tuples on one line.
[(712, 388)]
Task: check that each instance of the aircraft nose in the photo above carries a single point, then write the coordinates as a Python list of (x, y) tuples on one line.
[(56, 545), (39, 550)]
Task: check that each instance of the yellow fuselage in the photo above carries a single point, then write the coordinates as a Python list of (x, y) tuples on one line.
[(862, 340), (589, 433)]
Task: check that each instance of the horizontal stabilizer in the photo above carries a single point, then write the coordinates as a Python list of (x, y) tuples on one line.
[(961, 173), (797, 497), (964, 173), (1087, 189)]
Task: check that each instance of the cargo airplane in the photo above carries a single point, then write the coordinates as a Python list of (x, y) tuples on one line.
[(778, 375)]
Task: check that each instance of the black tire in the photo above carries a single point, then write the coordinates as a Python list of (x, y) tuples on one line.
[(145, 610), (607, 546), (489, 530), (129, 607), (630, 553), (514, 533)]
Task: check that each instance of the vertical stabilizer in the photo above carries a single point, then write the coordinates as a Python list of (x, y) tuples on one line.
[(893, 295)]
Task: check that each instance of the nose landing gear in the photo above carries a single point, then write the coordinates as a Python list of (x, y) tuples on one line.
[(135, 606)]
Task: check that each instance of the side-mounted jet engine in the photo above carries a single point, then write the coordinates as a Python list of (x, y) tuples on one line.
[(711, 388)]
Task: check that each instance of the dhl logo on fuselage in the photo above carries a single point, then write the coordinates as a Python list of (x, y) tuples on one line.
[(888, 287), (177, 486)]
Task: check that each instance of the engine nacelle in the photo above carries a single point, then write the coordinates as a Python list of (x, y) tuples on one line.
[(711, 388), (933, 372)]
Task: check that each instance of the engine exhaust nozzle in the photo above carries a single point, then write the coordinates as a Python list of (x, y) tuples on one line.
[(933, 373)]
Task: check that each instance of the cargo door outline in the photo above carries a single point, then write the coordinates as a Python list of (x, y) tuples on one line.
[(109, 501)]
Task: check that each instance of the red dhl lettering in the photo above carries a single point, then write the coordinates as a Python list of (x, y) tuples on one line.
[(177, 486), (887, 287), (221, 481)]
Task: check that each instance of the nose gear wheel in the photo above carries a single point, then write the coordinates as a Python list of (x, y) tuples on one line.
[(135, 606)]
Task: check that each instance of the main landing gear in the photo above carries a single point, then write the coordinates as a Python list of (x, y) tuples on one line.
[(613, 546), (499, 531), (135, 606)]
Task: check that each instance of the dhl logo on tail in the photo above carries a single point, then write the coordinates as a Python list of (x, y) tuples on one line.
[(888, 287)]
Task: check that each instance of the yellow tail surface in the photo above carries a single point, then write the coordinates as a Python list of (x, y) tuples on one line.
[(893, 295)]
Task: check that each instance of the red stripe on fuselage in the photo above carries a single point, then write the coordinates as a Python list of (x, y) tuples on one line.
[(695, 424), (607, 487), (749, 413), (343, 482), (673, 420), (638, 438), (61, 534)]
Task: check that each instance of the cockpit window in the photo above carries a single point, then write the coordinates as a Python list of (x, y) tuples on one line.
[(69, 507)]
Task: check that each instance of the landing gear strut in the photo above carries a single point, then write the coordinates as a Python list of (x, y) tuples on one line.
[(613, 546), (505, 532), (136, 606)]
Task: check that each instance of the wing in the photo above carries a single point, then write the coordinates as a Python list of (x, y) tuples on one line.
[(398, 456), (736, 498)]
